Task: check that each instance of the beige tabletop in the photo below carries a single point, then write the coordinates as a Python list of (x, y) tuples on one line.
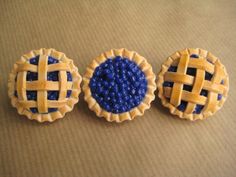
[(157, 144)]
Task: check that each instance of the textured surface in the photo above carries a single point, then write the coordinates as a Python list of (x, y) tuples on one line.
[(193, 87), (118, 85), (83, 145)]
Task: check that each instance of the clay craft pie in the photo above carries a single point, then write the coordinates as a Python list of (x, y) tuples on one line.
[(193, 84), (44, 85), (119, 85)]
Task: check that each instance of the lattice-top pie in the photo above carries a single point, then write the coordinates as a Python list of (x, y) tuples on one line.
[(44, 84), (193, 84), (119, 85)]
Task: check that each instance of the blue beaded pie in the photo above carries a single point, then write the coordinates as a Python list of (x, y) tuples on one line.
[(193, 84), (44, 85), (119, 85)]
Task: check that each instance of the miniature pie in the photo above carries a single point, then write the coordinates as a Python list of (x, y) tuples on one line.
[(119, 85), (193, 84), (44, 84)]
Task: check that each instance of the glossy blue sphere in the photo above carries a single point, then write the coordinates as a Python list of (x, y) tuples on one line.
[(118, 85)]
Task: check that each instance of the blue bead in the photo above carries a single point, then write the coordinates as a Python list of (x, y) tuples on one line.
[(96, 96), (69, 76), (136, 84), (109, 61), (198, 109), (53, 95), (107, 71), (106, 84), (31, 95), (115, 88), (34, 61), (129, 73), (133, 79), (133, 91), (98, 84), (191, 71), (119, 81), (93, 86), (131, 65), (122, 65), (112, 94), (134, 69), (172, 69), (119, 95), (52, 109), (143, 85), (188, 88), (204, 92), (97, 72), (168, 84), (219, 97), (194, 56), (182, 106), (100, 99), (110, 76), (136, 102), (141, 91), (106, 92), (108, 98), (112, 84), (53, 76), (68, 93), (52, 60), (119, 101), (106, 106), (34, 110), (31, 76), (117, 59), (99, 90), (123, 108), (126, 98), (208, 76)]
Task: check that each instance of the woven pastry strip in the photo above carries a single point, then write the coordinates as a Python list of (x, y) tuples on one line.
[(180, 78), (42, 85)]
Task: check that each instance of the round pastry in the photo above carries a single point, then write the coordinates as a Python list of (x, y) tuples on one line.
[(119, 85), (193, 84), (44, 84)]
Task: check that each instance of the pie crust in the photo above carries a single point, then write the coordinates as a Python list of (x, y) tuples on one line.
[(18, 82), (136, 111), (206, 62)]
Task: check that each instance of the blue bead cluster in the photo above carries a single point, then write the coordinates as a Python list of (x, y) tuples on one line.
[(192, 72), (118, 85), (51, 76), (34, 61)]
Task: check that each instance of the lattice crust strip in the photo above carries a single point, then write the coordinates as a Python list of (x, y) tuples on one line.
[(204, 63), (42, 85)]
